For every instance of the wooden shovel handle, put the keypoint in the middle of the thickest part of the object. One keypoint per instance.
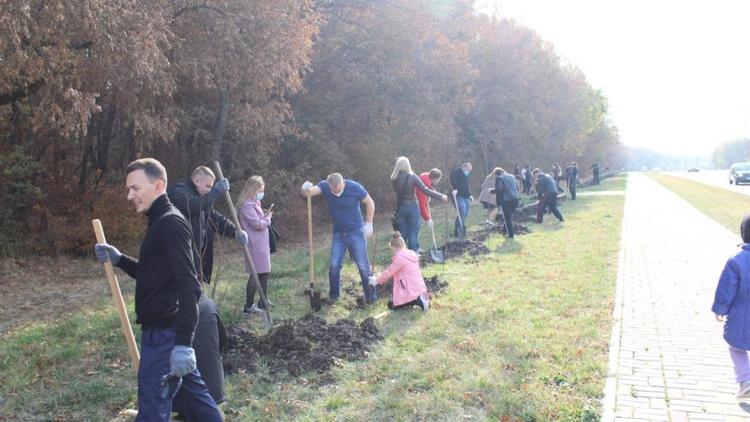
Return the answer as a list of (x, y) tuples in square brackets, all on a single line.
[(127, 330), (310, 242)]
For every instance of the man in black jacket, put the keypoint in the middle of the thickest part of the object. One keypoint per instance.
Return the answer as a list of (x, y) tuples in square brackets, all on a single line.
[(195, 199), (546, 189), (166, 296), (460, 182), (571, 174)]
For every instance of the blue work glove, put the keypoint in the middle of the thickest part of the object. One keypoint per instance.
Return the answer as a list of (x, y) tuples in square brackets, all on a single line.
[(221, 187), (241, 235), (182, 361), (105, 251)]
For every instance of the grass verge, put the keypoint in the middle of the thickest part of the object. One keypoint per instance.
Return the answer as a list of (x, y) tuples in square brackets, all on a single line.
[(521, 334), (722, 205)]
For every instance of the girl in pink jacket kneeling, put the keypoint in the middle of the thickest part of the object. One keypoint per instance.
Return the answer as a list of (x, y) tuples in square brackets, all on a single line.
[(408, 285)]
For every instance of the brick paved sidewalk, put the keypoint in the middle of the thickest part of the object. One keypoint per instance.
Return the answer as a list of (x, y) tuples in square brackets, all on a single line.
[(667, 358)]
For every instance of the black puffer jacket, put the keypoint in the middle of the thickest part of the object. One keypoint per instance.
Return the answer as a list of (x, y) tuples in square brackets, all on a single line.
[(204, 221)]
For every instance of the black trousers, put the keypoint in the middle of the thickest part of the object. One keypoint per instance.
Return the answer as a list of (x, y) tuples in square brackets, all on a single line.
[(508, 208), (414, 302), (572, 189), (251, 290), (548, 202)]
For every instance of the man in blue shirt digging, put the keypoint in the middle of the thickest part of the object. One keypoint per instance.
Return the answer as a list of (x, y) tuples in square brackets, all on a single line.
[(350, 230)]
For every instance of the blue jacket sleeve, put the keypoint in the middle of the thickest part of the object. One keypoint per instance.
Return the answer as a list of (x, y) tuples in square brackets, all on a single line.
[(727, 288)]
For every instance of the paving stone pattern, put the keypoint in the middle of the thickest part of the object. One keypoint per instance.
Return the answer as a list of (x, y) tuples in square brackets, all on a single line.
[(668, 361)]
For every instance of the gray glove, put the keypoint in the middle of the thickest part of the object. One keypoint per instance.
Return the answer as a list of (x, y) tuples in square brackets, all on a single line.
[(221, 187), (105, 251), (182, 361), (241, 235)]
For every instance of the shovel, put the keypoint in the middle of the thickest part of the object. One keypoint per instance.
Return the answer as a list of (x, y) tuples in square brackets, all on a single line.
[(436, 254), (246, 252), (315, 301), (461, 228)]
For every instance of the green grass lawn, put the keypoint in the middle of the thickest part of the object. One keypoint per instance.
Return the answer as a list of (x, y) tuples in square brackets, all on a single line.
[(520, 333), (616, 182), (722, 205)]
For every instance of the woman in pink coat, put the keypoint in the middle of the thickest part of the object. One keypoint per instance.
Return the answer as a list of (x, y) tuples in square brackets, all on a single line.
[(408, 285), (256, 222)]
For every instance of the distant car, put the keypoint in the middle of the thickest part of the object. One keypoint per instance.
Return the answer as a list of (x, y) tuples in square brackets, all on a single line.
[(693, 170), (739, 173)]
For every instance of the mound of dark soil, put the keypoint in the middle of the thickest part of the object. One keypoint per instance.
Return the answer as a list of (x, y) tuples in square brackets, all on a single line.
[(461, 246), (305, 345), (435, 286)]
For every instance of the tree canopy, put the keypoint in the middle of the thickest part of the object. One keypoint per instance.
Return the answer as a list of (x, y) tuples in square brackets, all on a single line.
[(288, 89)]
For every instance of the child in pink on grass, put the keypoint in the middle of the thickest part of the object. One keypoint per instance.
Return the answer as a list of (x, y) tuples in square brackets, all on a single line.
[(408, 285)]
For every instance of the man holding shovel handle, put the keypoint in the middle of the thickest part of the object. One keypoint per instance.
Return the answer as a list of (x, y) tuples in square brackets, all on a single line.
[(166, 300), (350, 230)]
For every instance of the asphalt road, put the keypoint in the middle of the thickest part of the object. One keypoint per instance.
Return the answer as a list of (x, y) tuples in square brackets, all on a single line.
[(718, 178)]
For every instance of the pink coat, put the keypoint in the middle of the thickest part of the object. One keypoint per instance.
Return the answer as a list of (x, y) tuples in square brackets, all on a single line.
[(408, 283), (256, 224)]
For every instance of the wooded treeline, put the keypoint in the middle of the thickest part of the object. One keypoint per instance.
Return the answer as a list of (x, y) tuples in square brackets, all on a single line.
[(288, 89)]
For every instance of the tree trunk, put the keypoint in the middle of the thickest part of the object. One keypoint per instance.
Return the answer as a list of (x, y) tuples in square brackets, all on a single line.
[(221, 121)]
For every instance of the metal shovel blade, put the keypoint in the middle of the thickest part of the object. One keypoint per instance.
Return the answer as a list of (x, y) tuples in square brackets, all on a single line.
[(436, 254), (315, 302)]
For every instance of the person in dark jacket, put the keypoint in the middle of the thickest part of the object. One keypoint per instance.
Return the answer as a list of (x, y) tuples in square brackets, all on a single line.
[(507, 197), (195, 199), (595, 172), (732, 307), (571, 175), (405, 183), (166, 299), (210, 341), (546, 190), (460, 181), (527, 179)]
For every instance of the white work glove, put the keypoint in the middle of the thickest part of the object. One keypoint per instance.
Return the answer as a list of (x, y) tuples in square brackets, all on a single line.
[(471, 198), (372, 280), (306, 186), (454, 192), (241, 236), (368, 229), (430, 223)]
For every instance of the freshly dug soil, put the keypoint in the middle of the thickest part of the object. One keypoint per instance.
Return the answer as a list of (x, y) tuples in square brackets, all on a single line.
[(435, 286), (459, 247), (308, 344)]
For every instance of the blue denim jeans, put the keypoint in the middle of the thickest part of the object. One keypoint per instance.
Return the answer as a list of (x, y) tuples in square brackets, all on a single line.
[(354, 241), (463, 211), (192, 400), (408, 224)]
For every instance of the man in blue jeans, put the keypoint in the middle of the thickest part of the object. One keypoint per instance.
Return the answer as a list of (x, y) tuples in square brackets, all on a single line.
[(166, 300), (350, 231), (459, 178)]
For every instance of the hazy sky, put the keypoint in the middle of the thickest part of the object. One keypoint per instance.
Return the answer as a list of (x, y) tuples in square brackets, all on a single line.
[(676, 73)]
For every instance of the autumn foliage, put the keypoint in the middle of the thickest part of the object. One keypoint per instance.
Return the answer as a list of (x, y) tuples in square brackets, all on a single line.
[(288, 89)]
